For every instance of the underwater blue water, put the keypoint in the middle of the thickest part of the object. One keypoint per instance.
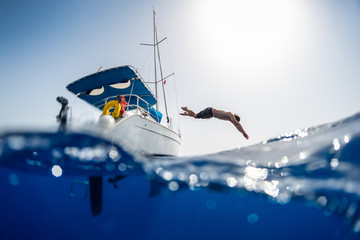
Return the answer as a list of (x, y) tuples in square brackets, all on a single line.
[(300, 185)]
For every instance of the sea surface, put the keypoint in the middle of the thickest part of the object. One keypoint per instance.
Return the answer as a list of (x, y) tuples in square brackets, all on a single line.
[(300, 185)]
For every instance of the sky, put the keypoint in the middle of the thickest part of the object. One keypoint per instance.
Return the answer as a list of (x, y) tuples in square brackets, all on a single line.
[(281, 65)]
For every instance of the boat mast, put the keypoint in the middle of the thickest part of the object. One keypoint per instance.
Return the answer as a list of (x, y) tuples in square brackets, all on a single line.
[(155, 39), (156, 46)]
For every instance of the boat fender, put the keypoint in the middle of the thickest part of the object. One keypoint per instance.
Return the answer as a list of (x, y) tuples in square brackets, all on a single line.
[(106, 122), (112, 104)]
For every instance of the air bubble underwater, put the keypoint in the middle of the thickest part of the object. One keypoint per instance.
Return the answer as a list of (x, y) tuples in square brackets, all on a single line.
[(14, 179), (56, 171)]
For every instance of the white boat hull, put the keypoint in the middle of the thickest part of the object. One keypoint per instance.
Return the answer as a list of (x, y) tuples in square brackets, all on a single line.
[(143, 135)]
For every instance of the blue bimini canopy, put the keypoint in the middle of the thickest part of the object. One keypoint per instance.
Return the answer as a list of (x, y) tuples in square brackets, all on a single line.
[(99, 88)]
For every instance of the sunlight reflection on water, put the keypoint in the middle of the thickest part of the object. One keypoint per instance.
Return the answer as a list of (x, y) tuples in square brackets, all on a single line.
[(318, 164), (307, 164)]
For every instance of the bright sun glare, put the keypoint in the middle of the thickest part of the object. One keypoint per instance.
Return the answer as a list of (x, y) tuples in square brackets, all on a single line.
[(251, 34)]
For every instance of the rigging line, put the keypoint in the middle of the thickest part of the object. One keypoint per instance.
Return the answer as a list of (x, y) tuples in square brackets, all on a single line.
[(138, 26), (132, 87), (162, 79), (142, 61), (71, 107), (140, 55), (158, 26), (161, 28), (161, 74), (177, 105), (140, 50), (74, 101), (171, 109), (176, 111), (155, 80), (175, 86), (168, 52), (136, 57)]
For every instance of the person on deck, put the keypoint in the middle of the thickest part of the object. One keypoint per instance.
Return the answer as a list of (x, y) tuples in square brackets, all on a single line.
[(219, 114)]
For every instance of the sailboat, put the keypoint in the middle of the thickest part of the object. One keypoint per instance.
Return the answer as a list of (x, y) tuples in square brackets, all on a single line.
[(130, 123), (130, 110)]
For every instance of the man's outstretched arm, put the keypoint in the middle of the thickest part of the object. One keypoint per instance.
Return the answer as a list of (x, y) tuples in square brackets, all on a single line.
[(239, 127)]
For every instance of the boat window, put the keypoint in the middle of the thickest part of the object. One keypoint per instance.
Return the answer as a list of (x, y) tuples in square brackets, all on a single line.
[(95, 92), (122, 85)]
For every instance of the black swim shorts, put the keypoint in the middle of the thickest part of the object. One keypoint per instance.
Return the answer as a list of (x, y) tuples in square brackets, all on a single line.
[(206, 113)]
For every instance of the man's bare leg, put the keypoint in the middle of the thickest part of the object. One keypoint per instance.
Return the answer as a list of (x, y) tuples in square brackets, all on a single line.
[(188, 112)]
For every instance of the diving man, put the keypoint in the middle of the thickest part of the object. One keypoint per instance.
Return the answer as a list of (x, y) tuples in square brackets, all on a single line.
[(219, 114)]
